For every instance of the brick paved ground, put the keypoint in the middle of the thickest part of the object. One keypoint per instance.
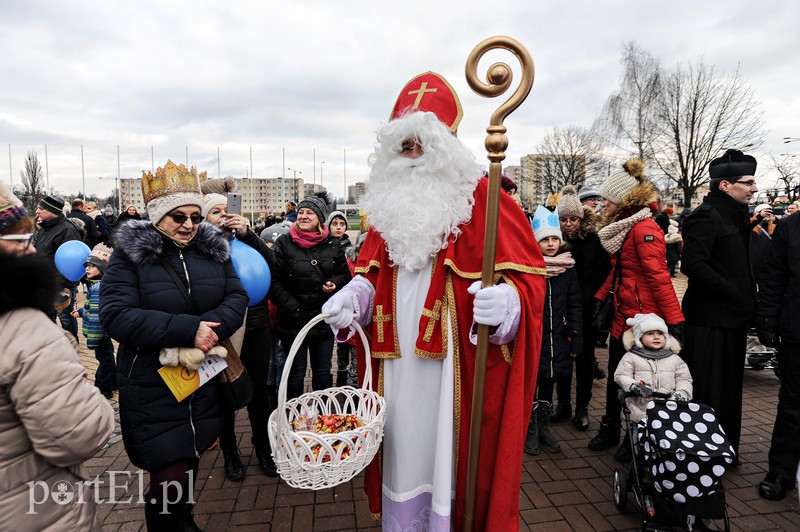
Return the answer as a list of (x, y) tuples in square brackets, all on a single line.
[(571, 490)]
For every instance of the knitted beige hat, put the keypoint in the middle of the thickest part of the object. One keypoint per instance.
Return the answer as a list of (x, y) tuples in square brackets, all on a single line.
[(212, 200), (569, 204), (620, 183)]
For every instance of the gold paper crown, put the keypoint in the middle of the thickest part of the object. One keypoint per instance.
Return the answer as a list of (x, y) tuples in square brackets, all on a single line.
[(171, 179)]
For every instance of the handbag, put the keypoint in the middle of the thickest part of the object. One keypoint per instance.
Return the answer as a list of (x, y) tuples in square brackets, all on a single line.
[(235, 385), (603, 313)]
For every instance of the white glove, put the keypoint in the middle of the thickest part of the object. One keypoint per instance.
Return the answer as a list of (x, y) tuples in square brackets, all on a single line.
[(218, 350), (168, 356), (490, 304), (188, 357), (341, 309)]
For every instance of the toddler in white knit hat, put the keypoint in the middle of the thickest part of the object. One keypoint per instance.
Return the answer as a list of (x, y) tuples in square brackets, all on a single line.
[(651, 364)]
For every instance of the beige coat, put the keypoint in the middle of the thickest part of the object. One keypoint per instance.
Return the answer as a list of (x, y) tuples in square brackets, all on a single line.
[(665, 375), (51, 421)]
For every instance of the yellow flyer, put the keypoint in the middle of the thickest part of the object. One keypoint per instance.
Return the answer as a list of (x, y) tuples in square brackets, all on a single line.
[(183, 382)]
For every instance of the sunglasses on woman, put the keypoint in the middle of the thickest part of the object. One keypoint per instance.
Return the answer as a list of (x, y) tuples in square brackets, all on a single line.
[(181, 218)]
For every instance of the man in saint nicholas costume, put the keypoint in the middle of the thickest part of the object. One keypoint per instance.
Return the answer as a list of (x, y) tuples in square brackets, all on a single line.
[(418, 292)]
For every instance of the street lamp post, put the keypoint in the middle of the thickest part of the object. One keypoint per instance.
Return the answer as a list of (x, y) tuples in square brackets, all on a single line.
[(320, 173), (296, 198)]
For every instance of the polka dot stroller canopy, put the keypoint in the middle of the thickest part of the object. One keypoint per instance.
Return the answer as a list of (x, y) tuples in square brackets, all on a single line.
[(685, 450)]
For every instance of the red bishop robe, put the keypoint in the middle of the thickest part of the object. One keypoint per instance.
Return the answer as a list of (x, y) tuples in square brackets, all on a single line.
[(511, 368)]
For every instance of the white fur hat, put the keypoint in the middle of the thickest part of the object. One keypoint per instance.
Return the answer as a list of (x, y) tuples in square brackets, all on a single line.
[(642, 323)]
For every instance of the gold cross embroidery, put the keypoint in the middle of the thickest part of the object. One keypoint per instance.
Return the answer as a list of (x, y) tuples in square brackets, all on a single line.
[(379, 318), (420, 93), (433, 317)]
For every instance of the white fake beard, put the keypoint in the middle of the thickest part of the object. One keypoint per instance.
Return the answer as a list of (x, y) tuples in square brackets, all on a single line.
[(418, 204)]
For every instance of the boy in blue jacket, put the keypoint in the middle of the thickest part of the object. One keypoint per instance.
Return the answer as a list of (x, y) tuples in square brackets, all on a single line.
[(96, 264)]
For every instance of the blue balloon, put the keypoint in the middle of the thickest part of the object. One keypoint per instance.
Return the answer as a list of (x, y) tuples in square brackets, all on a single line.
[(70, 257), (252, 269)]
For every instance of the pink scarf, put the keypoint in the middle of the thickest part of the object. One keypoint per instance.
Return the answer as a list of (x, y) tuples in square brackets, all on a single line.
[(305, 239), (559, 264)]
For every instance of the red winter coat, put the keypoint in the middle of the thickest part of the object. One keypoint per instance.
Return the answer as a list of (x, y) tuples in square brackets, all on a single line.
[(646, 285)]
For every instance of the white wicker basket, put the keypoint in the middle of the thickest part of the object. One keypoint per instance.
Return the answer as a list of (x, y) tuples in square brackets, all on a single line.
[(293, 450)]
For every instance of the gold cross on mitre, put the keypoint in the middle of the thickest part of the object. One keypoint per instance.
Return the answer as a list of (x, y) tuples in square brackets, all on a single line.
[(441, 99), (420, 93), (379, 318), (433, 316)]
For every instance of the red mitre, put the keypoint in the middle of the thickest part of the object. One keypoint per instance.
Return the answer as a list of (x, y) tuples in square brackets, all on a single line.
[(430, 92)]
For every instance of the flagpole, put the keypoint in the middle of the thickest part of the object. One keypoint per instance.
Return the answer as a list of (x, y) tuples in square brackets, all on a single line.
[(83, 175), (499, 79)]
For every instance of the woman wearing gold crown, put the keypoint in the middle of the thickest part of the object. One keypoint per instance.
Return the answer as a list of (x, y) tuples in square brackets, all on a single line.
[(147, 312)]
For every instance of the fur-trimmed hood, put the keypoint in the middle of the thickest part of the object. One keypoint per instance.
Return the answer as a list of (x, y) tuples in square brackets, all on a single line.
[(142, 243), (29, 281), (628, 342)]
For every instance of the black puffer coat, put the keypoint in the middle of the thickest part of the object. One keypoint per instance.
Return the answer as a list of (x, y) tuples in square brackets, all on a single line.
[(297, 285), (592, 262), (562, 327), (143, 309)]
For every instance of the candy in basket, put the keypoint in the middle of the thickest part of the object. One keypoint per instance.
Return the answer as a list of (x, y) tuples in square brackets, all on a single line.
[(326, 437)]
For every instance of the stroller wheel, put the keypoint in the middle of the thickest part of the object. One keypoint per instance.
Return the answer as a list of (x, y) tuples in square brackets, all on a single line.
[(620, 489)]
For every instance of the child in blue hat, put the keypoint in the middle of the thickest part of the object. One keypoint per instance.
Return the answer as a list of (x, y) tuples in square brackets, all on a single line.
[(561, 331)]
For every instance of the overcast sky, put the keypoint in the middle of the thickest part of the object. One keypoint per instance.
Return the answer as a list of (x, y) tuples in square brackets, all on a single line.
[(321, 76)]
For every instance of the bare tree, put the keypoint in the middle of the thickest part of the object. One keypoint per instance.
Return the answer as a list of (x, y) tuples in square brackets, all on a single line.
[(33, 187), (788, 169), (702, 113), (629, 116), (566, 156)]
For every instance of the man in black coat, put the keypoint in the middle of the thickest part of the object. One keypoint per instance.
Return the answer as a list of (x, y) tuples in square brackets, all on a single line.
[(54, 230), (78, 211), (778, 324), (720, 300)]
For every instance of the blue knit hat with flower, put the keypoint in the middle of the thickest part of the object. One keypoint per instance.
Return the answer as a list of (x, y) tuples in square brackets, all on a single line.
[(545, 223)]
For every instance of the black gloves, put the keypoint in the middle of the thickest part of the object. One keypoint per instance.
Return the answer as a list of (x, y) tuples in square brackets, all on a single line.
[(767, 331), (676, 331), (768, 336)]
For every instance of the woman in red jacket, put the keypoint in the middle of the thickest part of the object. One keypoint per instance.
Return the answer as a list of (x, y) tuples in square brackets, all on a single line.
[(636, 242)]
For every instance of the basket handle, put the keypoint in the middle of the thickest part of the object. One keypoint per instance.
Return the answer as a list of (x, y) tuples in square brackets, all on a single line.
[(287, 366)]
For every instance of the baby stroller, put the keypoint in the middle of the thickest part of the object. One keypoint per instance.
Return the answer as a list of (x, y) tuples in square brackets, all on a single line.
[(680, 454)]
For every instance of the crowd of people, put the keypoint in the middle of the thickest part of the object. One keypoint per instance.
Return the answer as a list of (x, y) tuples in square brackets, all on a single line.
[(162, 286)]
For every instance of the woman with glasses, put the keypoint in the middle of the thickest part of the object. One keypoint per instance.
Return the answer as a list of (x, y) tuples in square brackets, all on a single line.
[(53, 418), (156, 269)]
